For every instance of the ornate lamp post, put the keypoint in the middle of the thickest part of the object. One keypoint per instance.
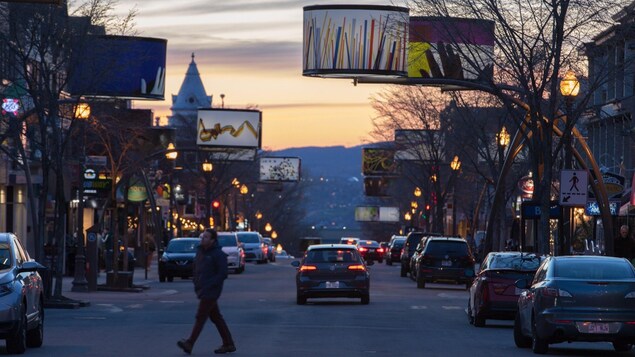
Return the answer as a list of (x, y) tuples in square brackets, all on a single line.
[(171, 154), (502, 141), (81, 112), (258, 218), (455, 165), (207, 169), (244, 190), (569, 88), (268, 227)]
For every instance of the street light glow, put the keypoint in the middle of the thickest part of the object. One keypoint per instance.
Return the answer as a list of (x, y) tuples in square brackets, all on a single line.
[(503, 138), (455, 164), (569, 85), (207, 166), (171, 153), (417, 192)]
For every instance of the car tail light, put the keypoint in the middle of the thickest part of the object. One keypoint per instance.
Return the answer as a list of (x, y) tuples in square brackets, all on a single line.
[(362, 249), (308, 268), (359, 267), (380, 250), (630, 322), (554, 292)]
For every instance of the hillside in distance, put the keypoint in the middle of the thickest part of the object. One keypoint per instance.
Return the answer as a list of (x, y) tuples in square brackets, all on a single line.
[(331, 161)]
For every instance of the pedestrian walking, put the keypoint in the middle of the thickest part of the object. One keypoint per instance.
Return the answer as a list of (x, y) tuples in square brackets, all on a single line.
[(107, 244), (624, 244), (210, 271)]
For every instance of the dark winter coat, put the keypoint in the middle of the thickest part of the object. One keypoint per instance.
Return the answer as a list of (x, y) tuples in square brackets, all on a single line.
[(210, 271)]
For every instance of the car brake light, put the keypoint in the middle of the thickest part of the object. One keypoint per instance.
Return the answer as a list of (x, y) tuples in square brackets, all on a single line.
[(362, 249), (308, 268), (554, 292), (357, 267), (380, 250)]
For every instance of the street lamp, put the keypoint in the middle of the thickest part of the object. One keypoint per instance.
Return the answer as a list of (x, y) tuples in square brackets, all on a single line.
[(274, 235), (258, 218), (171, 154), (244, 190), (207, 169), (455, 165), (502, 141), (569, 88), (417, 192), (81, 112), (268, 227)]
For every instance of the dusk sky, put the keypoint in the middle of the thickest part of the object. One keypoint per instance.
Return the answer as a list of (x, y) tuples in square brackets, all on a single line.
[(251, 51)]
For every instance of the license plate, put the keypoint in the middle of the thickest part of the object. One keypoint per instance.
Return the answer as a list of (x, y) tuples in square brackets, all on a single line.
[(332, 284), (446, 263), (598, 327)]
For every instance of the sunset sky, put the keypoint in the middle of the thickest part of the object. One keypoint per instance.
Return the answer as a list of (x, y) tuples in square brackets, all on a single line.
[(251, 51)]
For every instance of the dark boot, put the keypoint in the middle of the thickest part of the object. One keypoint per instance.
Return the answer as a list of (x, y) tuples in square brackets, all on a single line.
[(186, 346), (225, 349)]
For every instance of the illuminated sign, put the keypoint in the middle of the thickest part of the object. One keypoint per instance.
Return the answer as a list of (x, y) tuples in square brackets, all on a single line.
[(229, 128)]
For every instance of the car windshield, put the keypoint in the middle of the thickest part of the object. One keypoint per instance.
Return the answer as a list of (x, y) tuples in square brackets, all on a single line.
[(449, 248), (248, 238), (515, 262), (368, 243), (332, 256), (5, 257), (593, 269), (225, 240), (182, 246)]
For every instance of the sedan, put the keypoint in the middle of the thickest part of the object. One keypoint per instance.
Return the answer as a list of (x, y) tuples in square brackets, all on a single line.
[(21, 297), (332, 270), (370, 250), (178, 259), (235, 254), (493, 294), (577, 298), (393, 254)]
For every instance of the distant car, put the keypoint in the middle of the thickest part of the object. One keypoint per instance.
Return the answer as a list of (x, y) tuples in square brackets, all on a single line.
[(493, 294), (445, 259), (283, 255), (394, 249), (254, 246), (271, 249), (370, 250), (577, 298), (21, 298), (178, 259), (349, 240), (235, 254), (412, 239), (332, 270)]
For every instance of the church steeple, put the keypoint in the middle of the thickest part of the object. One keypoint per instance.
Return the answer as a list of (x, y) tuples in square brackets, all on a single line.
[(191, 96)]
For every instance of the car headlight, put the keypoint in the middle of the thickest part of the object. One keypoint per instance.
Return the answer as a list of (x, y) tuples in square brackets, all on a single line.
[(6, 289)]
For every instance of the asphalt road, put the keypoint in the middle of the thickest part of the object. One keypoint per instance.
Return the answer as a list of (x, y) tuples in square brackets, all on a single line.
[(259, 306)]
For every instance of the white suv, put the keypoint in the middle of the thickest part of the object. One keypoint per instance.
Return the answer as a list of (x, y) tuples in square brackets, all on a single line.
[(254, 246), (235, 254)]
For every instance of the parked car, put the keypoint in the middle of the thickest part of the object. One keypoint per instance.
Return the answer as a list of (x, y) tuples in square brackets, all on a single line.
[(394, 249), (493, 294), (370, 250), (178, 259), (254, 246), (445, 259), (412, 239), (332, 270), (271, 249), (22, 297), (235, 254), (577, 298), (415, 257)]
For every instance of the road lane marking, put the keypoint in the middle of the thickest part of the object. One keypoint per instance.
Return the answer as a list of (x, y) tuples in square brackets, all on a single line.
[(420, 307)]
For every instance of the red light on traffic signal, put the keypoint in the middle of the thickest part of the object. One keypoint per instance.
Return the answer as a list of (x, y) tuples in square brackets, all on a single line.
[(215, 204)]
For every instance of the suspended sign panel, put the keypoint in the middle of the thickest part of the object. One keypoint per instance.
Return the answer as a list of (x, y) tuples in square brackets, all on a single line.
[(355, 40), (378, 161), (453, 48), (120, 66), (229, 128), (376, 214), (279, 169)]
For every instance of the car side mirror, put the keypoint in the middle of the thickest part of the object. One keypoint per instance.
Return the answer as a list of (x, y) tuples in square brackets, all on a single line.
[(31, 266), (295, 263), (522, 284)]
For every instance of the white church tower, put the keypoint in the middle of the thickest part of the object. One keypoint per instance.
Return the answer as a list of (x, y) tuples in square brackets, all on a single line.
[(190, 98)]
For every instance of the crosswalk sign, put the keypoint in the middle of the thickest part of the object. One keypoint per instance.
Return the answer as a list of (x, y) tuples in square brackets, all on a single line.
[(573, 187)]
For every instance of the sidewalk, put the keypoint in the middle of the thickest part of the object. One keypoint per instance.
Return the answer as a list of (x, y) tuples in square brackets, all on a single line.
[(74, 300)]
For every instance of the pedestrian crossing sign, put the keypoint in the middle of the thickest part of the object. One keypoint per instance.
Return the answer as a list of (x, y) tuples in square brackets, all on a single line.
[(573, 187)]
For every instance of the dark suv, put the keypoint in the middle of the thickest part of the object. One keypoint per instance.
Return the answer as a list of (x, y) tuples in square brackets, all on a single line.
[(412, 239), (445, 259)]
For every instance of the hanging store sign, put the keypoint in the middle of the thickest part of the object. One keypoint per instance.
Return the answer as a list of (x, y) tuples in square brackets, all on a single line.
[(279, 169), (229, 128), (347, 41), (127, 67), (378, 161)]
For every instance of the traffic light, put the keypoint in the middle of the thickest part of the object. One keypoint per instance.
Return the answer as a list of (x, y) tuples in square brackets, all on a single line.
[(215, 218), (215, 206)]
